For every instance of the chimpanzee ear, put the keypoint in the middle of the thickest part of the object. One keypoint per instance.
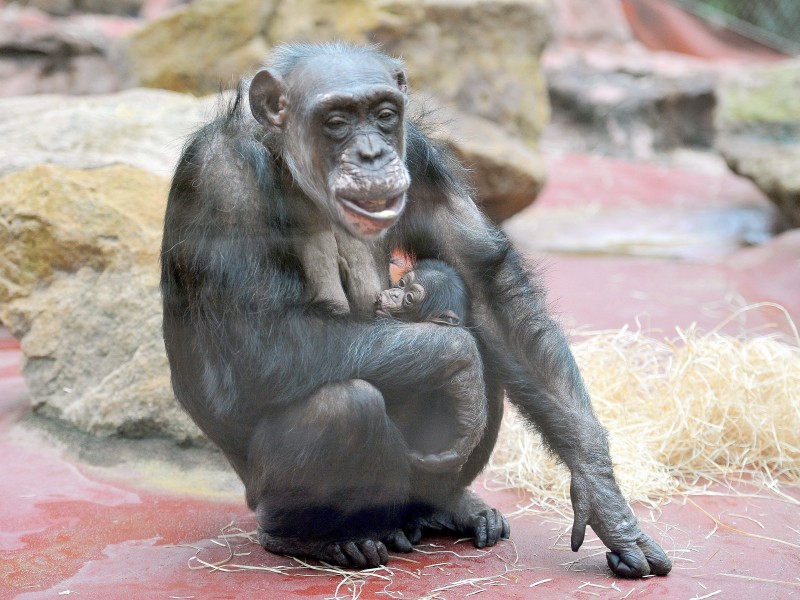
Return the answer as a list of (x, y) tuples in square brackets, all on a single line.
[(447, 318), (268, 101), (400, 78)]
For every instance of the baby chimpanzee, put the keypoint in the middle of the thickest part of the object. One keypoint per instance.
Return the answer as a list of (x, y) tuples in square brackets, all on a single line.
[(433, 292)]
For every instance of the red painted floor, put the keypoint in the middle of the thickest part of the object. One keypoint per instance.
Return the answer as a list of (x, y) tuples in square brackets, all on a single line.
[(70, 529)]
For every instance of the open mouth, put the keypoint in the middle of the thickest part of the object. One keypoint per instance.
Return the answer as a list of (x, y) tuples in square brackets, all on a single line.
[(377, 213)]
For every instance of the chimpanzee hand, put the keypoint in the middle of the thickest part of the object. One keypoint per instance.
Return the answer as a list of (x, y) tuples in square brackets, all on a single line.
[(597, 501)]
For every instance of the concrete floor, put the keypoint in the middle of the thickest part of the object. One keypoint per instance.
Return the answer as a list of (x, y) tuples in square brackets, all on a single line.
[(622, 244)]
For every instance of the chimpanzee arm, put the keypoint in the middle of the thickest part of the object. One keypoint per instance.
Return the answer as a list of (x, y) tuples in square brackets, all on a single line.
[(543, 380)]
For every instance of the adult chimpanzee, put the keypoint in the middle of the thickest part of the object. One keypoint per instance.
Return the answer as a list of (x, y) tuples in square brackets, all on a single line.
[(433, 292), (278, 233)]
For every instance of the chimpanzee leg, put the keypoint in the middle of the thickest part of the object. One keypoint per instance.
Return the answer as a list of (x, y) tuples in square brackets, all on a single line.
[(438, 504), (331, 475)]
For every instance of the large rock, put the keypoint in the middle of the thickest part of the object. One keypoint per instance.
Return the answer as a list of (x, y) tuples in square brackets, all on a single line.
[(758, 125), (482, 56), (633, 110), (589, 21), (79, 288), (506, 174), (141, 128), (63, 8), (198, 48), (43, 54)]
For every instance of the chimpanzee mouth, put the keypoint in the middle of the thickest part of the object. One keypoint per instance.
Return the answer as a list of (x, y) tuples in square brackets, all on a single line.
[(377, 213)]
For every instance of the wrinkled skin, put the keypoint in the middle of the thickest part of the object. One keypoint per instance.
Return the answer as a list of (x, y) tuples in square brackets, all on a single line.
[(281, 221)]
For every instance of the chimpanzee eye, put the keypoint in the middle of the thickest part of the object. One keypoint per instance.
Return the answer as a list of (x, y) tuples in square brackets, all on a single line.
[(387, 118), (409, 299), (401, 283), (336, 125)]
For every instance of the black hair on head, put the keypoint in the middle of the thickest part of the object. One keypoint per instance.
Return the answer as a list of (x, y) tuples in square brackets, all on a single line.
[(444, 290)]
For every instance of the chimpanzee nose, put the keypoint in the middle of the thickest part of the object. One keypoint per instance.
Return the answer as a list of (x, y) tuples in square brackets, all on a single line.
[(370, 148)]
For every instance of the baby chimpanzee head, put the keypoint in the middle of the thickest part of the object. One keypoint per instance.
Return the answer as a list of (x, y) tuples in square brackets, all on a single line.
[(433, 292)]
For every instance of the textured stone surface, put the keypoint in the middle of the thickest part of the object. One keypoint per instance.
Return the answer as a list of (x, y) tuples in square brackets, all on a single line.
[(482, 56), (623, 112), (141, 128), (43, 54), (758, 126), (198, 48), (506, 174), (79, 288)]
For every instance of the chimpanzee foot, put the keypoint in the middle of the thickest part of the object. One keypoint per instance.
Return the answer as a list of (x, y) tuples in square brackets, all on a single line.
[(488, 527), (466, 515), (398, 541), (355, 553)]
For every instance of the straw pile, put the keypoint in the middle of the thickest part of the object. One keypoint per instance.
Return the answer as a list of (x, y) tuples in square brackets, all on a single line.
[(680, 415)]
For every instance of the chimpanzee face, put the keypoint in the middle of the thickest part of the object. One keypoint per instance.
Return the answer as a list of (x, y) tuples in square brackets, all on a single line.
[(343, 135)]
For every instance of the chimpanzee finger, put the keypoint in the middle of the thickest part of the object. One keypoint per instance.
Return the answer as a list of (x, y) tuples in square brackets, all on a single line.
[(578, 529), (628, 563), (337, 557), (372, 553), (492, 532), (480, 531), (659, 562), (506, 533), (383, 553), (413, 533), (354, 554), (398, 541)]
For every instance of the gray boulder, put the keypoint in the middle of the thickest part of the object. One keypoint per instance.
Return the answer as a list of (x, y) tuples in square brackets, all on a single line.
[(505, 173), (79, 288), (44, 54), (140, 128), (758, 132), (631, 110)]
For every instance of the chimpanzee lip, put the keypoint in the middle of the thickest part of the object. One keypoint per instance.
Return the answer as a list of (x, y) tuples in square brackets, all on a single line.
[(391, 210)]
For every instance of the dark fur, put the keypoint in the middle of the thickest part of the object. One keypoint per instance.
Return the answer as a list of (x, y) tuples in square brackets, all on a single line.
[(312, 408)]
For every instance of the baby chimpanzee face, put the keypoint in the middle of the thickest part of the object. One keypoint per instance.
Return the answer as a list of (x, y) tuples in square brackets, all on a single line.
[(404, 300)]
